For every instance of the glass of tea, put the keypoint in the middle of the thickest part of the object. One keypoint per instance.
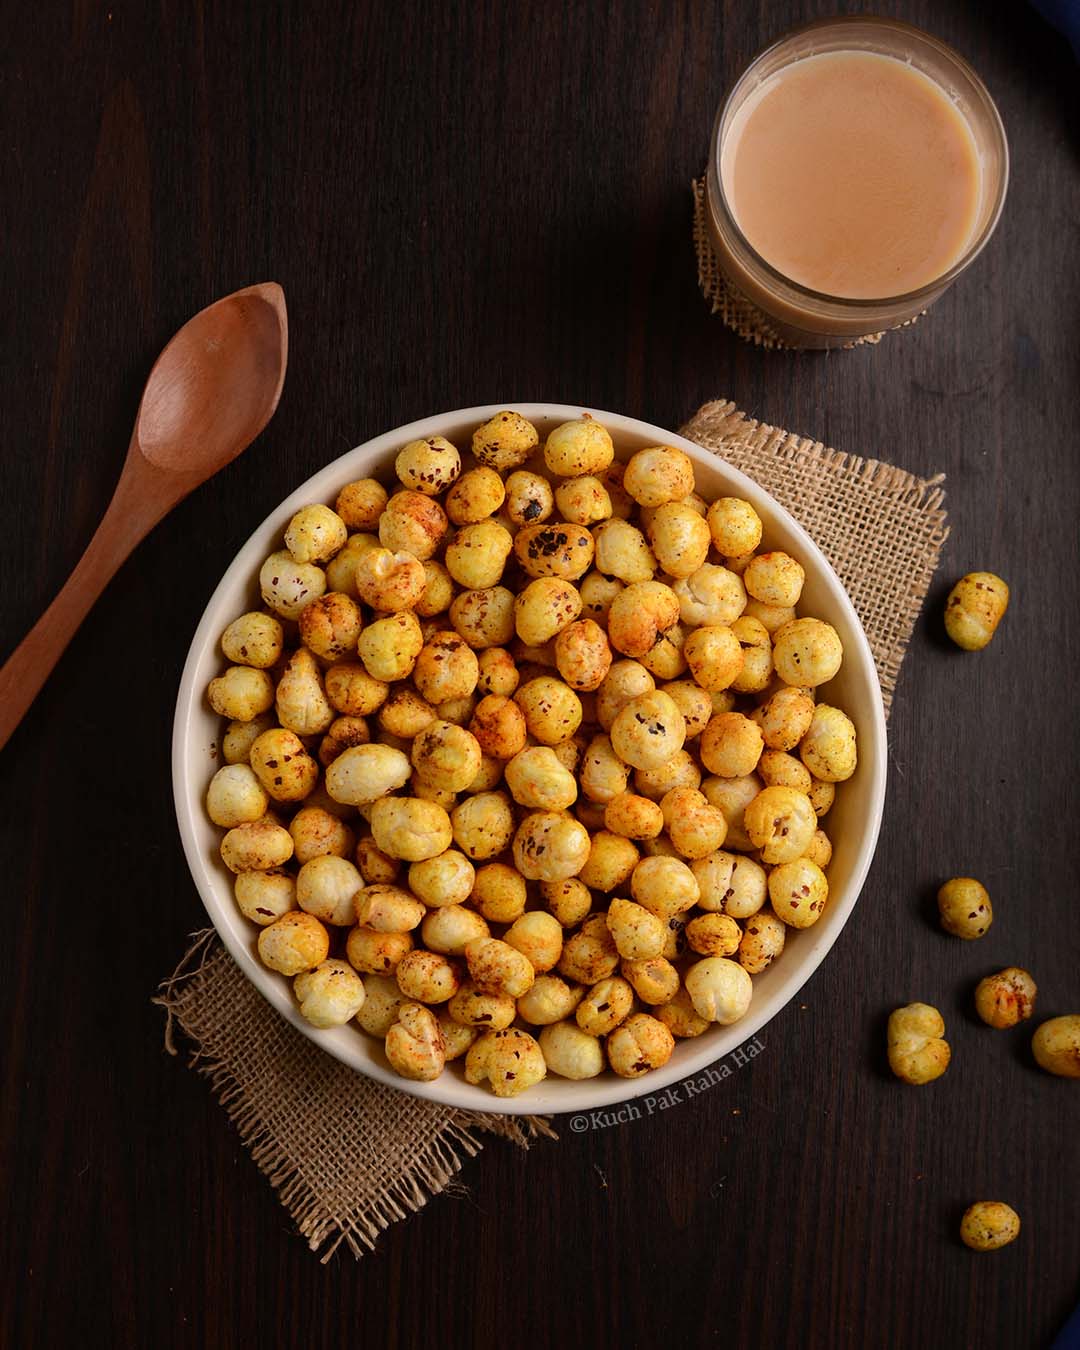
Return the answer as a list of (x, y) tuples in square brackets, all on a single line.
[(856, 169)]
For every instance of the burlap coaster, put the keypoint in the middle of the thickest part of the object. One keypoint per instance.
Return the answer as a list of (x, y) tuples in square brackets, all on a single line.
[(346, 1155), (738, 313)]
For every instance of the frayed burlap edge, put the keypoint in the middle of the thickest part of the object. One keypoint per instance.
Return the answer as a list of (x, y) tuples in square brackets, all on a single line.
[(330, 1203), (887, 561), (742, 317)]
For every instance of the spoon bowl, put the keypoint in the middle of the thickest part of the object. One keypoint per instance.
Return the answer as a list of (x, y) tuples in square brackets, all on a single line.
[(217, 383), (209, 394)]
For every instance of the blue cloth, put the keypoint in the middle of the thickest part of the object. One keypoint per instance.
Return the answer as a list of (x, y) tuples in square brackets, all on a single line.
[(1065, 17), (1069, 1335)]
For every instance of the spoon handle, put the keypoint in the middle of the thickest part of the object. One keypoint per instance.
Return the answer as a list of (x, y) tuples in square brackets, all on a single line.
[(124, 524)]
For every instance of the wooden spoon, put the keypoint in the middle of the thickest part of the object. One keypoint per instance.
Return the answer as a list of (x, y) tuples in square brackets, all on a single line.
[(210, 393)]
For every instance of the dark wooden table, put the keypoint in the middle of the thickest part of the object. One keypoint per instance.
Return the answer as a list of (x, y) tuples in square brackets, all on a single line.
[(489, 202)]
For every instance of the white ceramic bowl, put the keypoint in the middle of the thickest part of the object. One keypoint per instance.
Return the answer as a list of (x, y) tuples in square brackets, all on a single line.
[(853, 822)]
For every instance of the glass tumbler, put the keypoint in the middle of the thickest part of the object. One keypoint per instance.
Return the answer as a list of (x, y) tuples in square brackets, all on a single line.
[(802, 317)]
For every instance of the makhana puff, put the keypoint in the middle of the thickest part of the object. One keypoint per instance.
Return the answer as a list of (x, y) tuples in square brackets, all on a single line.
[(532, 737), (918, 1051)]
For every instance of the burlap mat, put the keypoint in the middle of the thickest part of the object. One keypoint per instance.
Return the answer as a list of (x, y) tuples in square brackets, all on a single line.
[(346, 1155), (742, 317)]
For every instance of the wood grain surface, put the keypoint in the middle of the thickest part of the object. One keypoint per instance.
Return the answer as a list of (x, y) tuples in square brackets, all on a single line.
[(470, 203)]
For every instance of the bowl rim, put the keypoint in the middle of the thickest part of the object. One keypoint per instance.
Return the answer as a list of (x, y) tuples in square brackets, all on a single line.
[(607, 1090)]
